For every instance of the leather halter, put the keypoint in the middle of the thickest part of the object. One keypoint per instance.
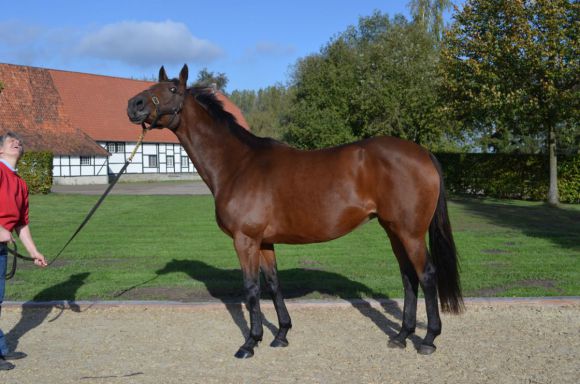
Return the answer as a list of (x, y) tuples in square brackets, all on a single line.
[(158, 112)]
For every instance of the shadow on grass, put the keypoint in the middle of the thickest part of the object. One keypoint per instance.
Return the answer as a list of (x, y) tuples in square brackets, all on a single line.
[(295, 283), (559, 225), (33, 315)]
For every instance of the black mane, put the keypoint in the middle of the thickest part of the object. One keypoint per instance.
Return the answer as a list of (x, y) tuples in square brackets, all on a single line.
[(207, 98)]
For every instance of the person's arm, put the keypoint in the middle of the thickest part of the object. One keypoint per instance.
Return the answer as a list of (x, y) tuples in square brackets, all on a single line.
[(26, 238)]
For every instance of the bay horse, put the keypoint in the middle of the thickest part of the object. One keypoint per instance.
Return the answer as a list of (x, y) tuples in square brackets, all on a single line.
[(268, 193)]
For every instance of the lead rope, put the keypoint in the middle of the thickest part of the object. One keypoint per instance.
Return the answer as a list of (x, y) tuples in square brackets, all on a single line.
[(16, 255), (14, 251), (96, 206)]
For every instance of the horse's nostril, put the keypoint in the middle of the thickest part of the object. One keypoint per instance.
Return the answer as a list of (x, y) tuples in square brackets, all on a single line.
[(137, 104)]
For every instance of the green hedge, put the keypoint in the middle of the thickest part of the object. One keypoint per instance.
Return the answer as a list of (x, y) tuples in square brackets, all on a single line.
[(36, 169), (509, 175)]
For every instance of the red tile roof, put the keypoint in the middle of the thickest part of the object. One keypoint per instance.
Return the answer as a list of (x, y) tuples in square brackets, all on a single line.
[(98, 105), (62, 111), (31, 107)]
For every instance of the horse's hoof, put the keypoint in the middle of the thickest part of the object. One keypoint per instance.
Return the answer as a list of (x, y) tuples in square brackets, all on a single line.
[(395, 343), (426, 349), (279, 343), (243, 353)]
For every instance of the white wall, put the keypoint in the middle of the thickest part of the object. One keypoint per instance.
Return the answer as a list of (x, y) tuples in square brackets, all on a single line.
[(152, 159)]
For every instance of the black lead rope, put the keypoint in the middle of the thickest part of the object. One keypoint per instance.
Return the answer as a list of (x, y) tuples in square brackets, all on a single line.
[(17, 256), (102, 198), (92, 211), (14, 251)]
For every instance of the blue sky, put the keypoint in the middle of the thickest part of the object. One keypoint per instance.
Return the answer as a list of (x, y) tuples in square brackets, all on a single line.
[(254, 42)]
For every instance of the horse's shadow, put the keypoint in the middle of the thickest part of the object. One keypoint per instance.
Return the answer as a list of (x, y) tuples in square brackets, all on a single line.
[(35, 312), (218, 284)]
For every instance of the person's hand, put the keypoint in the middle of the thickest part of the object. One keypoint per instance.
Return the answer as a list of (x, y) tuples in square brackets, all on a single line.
[(39, 259), (5, 235)]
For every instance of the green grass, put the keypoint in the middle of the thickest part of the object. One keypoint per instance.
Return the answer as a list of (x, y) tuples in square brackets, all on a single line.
[(169, 247)]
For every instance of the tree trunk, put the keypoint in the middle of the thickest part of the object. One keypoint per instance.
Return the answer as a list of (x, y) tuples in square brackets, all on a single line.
[(553, 196)]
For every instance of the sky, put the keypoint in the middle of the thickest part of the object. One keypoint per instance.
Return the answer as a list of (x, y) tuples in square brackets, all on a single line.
[(254, 42)]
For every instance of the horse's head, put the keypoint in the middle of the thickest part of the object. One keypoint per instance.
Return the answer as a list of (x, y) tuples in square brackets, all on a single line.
[(161, 104)]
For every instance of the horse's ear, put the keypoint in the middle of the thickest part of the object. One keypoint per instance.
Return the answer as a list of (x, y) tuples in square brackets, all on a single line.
[(162, 74), (183, 76)]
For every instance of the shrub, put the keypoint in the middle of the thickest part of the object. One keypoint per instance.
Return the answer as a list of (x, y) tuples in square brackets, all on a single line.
[(36, 169), (509, 175)]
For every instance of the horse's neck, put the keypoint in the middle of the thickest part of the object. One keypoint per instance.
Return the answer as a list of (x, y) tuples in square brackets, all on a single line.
[(214, 150)]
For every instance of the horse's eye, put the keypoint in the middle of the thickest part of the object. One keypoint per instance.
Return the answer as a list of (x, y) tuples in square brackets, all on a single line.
[(173, 89)]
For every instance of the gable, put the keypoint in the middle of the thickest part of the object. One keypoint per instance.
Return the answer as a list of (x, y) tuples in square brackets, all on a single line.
[(30, 106)]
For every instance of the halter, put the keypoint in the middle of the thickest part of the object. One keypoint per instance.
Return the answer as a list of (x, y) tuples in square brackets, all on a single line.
[(159, 112)]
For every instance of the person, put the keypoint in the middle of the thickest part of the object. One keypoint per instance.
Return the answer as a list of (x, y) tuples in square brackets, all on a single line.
[(13, 217)]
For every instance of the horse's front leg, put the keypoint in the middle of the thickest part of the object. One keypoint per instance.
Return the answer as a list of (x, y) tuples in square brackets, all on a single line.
[(248, 251), (270, 271)]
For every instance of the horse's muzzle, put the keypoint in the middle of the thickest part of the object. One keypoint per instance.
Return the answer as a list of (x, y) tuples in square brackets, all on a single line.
[(137, 110)]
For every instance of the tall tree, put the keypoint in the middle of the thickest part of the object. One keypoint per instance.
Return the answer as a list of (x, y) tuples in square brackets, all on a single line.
[(378, 77), (510, 67), (429, 14), (207, 78), (264, 109)]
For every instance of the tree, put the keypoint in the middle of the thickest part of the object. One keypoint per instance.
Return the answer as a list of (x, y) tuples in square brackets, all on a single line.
[(378, 78), (264, 109), (429, 14), (206, 78), (1, 86), (510, 69)]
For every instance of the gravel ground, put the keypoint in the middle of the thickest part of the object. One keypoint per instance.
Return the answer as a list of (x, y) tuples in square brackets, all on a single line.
[(495, 341)]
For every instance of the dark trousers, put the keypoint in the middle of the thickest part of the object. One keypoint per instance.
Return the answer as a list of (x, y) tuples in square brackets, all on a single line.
[(3, 266)]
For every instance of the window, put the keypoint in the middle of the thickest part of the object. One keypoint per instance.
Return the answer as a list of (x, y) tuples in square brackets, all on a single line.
[(170, 161), (116, 147), (152, 161), (85, 160), (184, 162)]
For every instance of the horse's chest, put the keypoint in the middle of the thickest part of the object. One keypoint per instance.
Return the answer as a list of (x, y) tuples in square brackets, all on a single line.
[(238, 216)]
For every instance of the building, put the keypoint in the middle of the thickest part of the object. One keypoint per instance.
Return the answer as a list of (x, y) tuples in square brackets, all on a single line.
[(82, 119)]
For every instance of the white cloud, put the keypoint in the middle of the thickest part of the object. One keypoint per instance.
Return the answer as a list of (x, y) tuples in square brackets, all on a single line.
[(29, 44), (15, 32), (265, 50), (148, 43), (274, 49), (268, 48)]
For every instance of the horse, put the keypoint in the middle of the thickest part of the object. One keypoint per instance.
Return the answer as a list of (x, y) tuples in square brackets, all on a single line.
[(268, 193)]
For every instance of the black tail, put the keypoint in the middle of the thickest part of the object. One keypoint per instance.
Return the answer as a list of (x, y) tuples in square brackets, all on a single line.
[(444, 254)]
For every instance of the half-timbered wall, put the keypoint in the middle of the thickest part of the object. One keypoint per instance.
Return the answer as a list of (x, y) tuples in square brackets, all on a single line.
[(152, 159)]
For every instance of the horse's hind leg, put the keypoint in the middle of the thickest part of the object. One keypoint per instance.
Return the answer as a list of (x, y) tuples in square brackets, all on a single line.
[(270, 271), (410, 285), (429, 285), (418, 257)]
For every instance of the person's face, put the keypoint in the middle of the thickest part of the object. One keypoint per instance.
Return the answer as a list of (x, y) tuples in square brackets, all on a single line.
[(11, 147)]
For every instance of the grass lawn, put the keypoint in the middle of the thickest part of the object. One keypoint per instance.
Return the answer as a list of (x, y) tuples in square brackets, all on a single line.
[(169, 247)]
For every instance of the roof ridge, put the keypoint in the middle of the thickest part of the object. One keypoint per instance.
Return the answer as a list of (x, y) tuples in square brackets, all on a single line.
[(77, 72)]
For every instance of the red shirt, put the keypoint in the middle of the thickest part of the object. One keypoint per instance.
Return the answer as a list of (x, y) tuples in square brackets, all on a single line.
[(13, 199)]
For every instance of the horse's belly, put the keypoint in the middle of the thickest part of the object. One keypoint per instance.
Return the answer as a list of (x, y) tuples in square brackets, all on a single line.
[(310, 229)]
